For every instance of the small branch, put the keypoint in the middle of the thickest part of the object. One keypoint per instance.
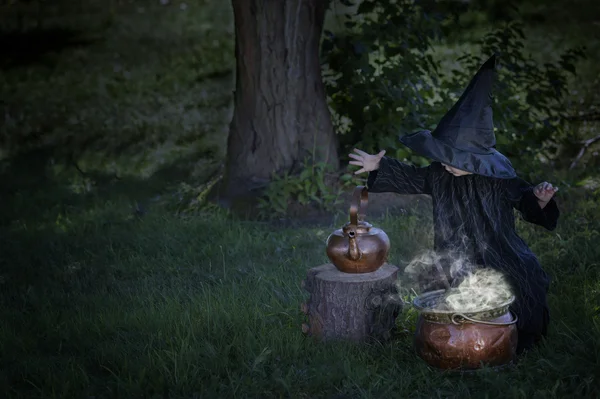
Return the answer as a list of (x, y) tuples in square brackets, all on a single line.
[(586, 144), (78, 168)]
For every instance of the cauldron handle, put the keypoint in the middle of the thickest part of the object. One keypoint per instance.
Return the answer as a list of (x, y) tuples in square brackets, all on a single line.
[(491, 323), (358, 207)]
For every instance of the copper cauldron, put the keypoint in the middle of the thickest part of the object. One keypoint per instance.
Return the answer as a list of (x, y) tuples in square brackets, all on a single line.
[(447, 339), (358, 247)]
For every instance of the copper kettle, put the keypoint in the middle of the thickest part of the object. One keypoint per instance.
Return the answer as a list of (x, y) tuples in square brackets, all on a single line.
[(358, 247)]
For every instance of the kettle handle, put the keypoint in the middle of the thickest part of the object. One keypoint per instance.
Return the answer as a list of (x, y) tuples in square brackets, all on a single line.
[(358, 207)]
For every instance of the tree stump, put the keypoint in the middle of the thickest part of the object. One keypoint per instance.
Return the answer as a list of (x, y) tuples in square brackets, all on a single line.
[(348, 306)]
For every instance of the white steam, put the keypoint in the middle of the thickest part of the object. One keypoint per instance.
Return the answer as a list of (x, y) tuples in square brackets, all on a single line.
[(467, 286), (482, 289), (436, 270)]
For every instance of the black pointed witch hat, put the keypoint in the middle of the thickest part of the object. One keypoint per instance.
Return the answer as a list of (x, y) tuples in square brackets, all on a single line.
[(465, 138)]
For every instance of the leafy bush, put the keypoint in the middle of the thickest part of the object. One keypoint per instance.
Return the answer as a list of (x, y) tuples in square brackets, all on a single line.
[(381, 76), (384, 80), (318, 185), (529, 111)]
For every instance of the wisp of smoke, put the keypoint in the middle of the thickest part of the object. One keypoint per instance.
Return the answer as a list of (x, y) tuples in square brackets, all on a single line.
[(468, 287), (435, 270), (482, 289)]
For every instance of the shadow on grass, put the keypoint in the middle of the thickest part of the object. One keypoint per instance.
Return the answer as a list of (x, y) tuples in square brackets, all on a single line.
[(40, 185), (34, 46)]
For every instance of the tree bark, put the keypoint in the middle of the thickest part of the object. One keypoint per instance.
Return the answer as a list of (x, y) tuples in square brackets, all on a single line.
[(354, 307), (281, 114)]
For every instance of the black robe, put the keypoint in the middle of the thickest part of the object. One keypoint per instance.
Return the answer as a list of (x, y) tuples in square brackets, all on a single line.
[(474, 215)]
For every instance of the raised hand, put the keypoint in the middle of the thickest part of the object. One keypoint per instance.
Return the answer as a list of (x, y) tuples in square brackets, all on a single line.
[(544, 192), (367, 162)]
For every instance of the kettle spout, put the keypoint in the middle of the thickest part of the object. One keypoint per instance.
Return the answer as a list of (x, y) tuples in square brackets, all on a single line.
[(353, 251)]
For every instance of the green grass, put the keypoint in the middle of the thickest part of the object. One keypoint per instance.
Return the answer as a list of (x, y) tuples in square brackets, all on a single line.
[(208, 306), (105, 292), (148, 86)]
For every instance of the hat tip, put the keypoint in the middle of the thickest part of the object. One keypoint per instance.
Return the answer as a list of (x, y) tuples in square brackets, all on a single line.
[(491, 62)]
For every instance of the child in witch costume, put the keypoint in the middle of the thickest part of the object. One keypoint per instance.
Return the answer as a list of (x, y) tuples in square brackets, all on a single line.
[(474, 189)]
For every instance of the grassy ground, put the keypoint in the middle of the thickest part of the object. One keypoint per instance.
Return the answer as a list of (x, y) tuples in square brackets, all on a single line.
[(127, 89), (105, 293), (208, 307)]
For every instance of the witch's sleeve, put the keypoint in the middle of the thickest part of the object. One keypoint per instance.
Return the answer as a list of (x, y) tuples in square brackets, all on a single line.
[(520, 193), (397, 177)]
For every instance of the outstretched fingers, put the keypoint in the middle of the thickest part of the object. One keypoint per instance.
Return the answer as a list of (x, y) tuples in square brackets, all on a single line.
[(545, 191), (548, 187), (361, 152)]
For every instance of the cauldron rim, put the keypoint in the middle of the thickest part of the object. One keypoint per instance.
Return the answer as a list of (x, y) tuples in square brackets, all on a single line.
[(501, 307)]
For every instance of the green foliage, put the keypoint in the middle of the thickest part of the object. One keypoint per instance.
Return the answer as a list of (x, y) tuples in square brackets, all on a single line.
[(380, 75), (384, 79), (529, 100), (316, 185)]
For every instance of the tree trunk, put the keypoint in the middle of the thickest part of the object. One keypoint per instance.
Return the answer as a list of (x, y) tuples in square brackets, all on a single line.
[(280, 113), (348, 306)]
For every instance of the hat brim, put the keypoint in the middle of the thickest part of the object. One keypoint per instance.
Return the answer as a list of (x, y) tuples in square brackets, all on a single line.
[(492, 164)]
